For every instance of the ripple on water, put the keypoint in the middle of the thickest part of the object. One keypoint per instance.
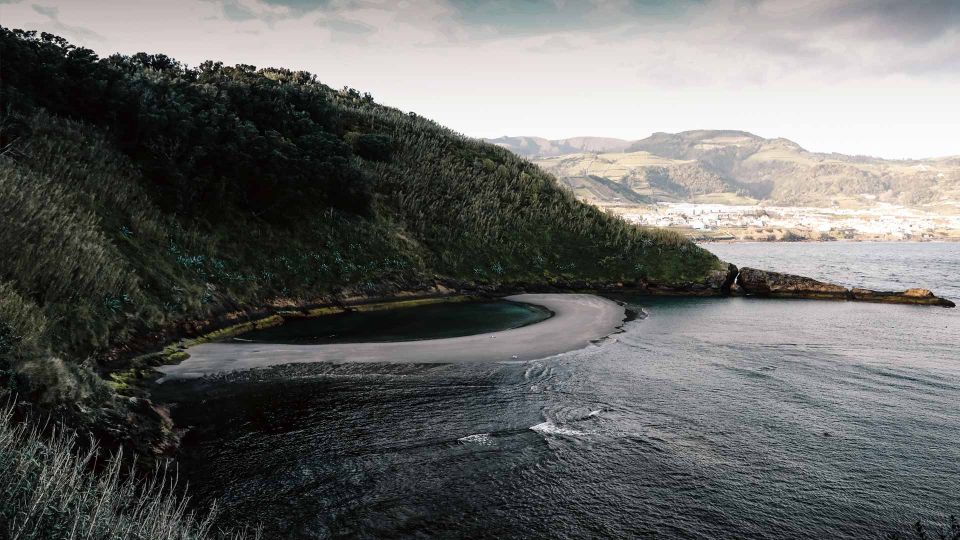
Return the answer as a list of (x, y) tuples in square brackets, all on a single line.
[(478, 439)]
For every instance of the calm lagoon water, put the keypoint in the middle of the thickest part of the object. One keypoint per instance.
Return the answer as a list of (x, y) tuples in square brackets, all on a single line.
[(729, 418), (430, 321)]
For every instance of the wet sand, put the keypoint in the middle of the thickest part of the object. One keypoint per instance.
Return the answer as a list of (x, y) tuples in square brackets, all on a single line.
[(578, 319)]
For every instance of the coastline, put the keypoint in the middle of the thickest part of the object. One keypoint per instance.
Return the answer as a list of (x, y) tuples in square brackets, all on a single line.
[(136, 370), (578, 320), (707, 240)]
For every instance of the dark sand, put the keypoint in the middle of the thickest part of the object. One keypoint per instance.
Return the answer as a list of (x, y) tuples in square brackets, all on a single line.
[(578, 319)]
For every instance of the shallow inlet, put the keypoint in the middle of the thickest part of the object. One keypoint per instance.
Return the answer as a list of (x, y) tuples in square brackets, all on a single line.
[(431, 321), (577, 320)]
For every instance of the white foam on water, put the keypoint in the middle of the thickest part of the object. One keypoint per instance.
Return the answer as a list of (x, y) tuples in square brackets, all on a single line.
[(481, 439), (549, 428)]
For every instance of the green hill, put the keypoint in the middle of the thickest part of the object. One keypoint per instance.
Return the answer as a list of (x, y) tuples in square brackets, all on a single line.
[(138, 195)]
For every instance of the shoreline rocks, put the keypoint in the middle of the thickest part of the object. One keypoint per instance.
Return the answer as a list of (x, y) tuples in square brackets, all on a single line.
[(909, 296), (763, 283)]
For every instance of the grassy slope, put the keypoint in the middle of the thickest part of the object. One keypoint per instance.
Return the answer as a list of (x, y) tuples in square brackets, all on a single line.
[(93, 258)]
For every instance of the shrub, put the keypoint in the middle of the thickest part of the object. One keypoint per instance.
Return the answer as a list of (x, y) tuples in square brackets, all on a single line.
[(49, 491), (371, 146), (22, 324)]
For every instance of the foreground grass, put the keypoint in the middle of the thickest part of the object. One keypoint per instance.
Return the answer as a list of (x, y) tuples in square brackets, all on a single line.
[(48, 490)]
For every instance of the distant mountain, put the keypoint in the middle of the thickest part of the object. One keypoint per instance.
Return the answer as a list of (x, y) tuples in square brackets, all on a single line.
[(737, 167), (540, 147)]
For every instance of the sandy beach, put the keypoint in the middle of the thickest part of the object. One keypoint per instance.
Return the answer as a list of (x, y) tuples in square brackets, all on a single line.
[(578, 319)]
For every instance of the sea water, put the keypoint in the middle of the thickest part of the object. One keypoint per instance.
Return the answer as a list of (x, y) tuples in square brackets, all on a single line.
[(716, 417)]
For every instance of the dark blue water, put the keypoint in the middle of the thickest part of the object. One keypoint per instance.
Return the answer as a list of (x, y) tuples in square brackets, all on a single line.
[(729, 418), (429, 321)]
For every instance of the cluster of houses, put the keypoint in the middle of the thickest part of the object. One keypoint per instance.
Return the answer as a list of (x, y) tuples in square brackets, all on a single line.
[(881, 220)]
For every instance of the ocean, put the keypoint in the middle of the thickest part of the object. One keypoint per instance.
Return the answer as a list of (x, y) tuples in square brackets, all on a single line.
[(708, 418)]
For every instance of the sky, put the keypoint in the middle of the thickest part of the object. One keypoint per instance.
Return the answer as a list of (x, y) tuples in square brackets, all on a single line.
[(871, 77)]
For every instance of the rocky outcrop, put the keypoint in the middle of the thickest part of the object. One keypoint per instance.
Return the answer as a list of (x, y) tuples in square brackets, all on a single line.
[(763, 283), (909, 296), (753, 282), (716, 283)]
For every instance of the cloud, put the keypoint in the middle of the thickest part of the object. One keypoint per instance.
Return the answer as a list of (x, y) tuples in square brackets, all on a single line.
[(235, 11), (836, 38), (894, 20), (347, 30), (552, 45), (78, 33), (299, 6), (346, 26), (861, 76), (538, 17), (259, 10)]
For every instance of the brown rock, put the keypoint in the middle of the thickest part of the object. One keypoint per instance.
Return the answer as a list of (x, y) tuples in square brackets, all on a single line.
[(924, 293), (922, 297), (753, 282), (775, 284)]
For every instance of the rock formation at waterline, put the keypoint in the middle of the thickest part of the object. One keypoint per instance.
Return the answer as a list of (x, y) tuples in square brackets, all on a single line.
[(753, 282)]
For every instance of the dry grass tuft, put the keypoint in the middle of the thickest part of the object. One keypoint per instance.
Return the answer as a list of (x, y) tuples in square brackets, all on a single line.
[(48, 491)]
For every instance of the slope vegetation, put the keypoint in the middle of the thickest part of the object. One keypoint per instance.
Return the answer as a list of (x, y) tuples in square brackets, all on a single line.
[(137, 195)]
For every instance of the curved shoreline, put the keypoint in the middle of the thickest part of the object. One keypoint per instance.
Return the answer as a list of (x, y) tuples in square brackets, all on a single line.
[(577, 320)]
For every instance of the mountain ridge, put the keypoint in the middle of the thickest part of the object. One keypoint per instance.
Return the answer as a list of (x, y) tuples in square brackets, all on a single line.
[(739, 167), (524, 144)]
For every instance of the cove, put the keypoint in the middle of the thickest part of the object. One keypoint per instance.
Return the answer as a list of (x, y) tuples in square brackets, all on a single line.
[(430, 321), (578, 320)]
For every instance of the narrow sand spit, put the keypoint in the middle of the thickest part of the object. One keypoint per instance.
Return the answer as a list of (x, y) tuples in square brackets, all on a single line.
[(578, 319)]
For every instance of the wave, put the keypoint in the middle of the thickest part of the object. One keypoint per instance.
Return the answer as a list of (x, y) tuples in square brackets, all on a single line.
[(549, 428), (481, 439)]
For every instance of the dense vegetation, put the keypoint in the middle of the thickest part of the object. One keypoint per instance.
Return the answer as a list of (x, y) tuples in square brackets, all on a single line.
[(137, 193), (48, 491)]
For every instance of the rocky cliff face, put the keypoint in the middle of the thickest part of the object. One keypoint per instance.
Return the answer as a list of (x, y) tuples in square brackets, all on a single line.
[(753, 282)]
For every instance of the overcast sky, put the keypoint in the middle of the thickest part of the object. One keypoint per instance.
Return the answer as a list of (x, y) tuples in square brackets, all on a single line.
[(875, 77)]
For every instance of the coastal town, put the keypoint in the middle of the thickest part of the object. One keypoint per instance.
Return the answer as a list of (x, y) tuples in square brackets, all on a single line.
[(718, 222)]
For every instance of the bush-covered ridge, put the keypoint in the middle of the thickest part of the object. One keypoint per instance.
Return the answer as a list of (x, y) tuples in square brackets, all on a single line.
[(137, 194)]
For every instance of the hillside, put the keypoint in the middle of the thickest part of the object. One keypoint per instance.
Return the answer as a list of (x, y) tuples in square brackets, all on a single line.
[(139, 196), (736, 167)]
